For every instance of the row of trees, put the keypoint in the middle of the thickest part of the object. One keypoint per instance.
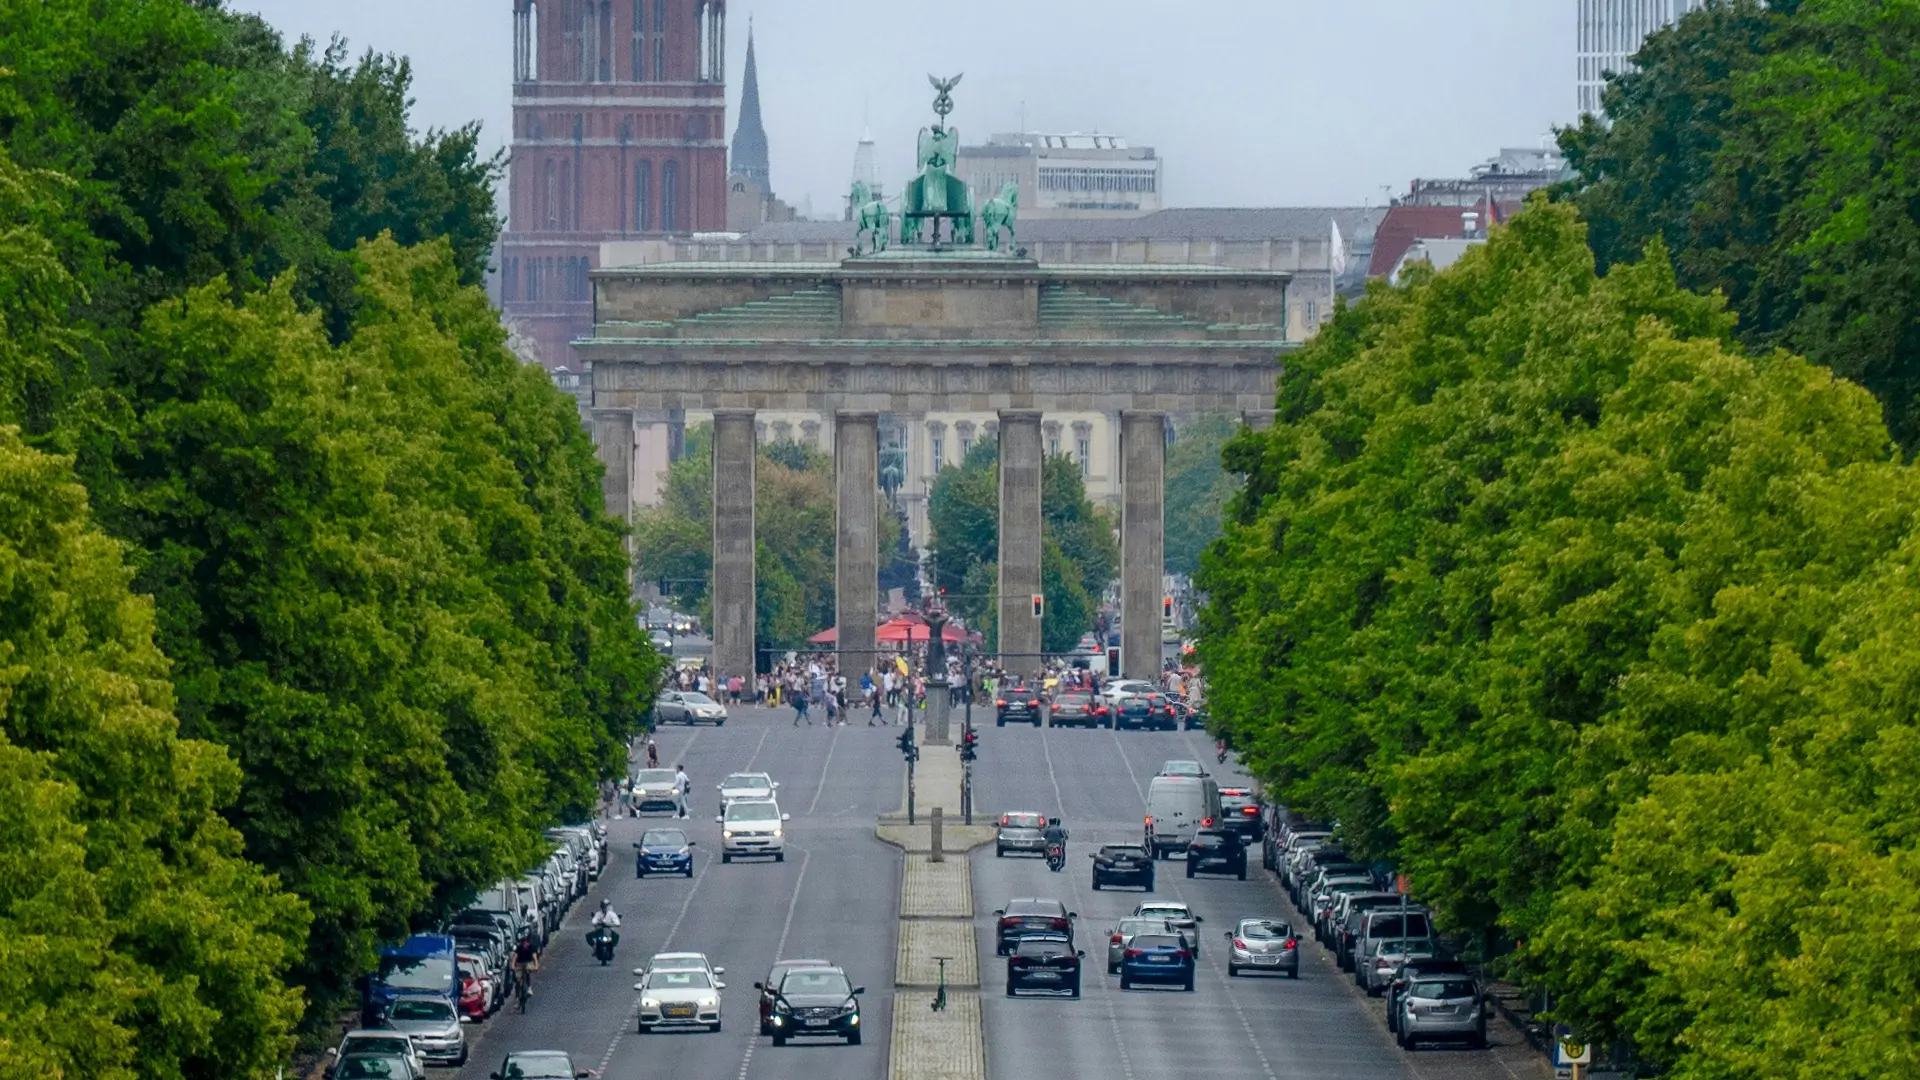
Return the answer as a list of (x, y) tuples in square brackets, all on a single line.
[(310, 614), (1078, 555), (1602, 628)]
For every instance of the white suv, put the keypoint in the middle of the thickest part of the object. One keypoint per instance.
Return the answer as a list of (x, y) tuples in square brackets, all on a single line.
[(752, 827)]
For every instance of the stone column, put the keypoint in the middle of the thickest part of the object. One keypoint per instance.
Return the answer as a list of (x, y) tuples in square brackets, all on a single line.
[(1259, 419), (1143, 470), (734, 603), (1021, 454), (856, 546), (613, 439)]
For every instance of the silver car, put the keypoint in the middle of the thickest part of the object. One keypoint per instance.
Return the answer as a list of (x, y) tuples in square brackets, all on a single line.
[(1177, 913), (1386, 957), (433, 1024), (655, 789), (1263, 945), (1442, 1008), (679, 998), (378, 1041), (1121, 936), (746, 785), (688, 707)]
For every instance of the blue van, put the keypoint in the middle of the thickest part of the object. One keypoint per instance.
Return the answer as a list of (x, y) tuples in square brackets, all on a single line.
[(423, 963)]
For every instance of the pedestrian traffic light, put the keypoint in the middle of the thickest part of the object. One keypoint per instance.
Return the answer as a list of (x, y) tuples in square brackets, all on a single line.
[(1166, 609), (1039, 605), (1113, 662), (969, 745), (906, 743)]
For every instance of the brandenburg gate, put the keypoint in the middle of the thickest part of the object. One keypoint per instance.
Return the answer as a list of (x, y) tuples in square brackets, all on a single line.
[(945, 321)]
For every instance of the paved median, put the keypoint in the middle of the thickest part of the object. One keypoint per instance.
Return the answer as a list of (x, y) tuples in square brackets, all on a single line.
[(936, 920)]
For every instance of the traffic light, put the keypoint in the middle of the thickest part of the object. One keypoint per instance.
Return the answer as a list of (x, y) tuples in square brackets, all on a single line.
[(1039, 605), (1166, 609), (1113, 662), (907, 749), (969, 745)]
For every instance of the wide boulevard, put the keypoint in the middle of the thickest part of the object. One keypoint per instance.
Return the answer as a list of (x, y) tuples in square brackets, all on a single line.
[(836, 897)]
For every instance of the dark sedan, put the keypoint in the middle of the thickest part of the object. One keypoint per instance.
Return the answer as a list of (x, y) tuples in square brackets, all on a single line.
[(1213, 851), (1028, 917), (1123, 864), (1020, 704), (1240, 812), (816, 1002), (1145, 712), (769, 990), (1077, 708), (663, 851), (1044, 962), (1157, 958)]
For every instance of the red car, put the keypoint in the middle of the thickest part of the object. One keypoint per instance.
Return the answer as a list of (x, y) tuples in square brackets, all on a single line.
[(476, 994)]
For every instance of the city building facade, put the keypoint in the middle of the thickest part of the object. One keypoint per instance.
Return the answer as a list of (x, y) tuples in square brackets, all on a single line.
[(619, 132), (1507, 178), (1609, 33), (1065, 176)]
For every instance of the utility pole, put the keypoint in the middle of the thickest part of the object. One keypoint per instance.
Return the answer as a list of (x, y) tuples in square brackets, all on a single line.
[(912, 754)]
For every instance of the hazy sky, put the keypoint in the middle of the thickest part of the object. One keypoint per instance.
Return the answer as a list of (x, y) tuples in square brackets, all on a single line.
[(1250, 102)]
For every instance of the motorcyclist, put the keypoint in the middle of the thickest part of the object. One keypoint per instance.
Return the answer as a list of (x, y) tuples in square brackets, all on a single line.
[(608, 920), (1055, 836)]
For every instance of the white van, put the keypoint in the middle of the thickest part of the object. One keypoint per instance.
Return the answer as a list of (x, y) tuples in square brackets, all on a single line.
[(752, 827), (1176, 806)]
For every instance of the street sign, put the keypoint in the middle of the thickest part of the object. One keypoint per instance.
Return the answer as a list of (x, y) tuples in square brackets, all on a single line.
[(1571, 1051)]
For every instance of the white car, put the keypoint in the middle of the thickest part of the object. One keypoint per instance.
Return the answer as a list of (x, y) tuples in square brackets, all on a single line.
[(679, 961), (746, 785), (752, 827), (1119, 689), (679, 998), (1177, 913)]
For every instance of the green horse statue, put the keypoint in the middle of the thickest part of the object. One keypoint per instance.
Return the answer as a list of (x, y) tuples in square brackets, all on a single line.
[(1000, 214), (874, 220)]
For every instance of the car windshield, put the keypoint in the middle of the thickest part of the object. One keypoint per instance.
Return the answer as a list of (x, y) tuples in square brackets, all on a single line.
[(804, 981), (539, 1065), (376, 1044), (673, 838), (695, 697), (679, 980), (365, 1067), (1129, 927), (654, 778), (1163, 911), (752, 781), (1400, 926), (419, 1009), (1442, 989), (1044, 946), (1076, 699), (417, 972), (1022, 821), (1121, 852), (752, 811), (1180, 768), (1262, 930)]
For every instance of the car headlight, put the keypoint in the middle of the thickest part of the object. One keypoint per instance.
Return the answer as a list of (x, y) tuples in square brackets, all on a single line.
[(779, 832), (709, 1003), (726, 834), (649, 1003)]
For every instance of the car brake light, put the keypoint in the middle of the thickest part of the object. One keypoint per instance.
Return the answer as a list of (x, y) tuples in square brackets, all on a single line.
[(1035, 704), (1293, 943), (1238, 944), (1149, 820), (1131, 953), (1017, 961), (1249, 810), (1114, 940), (1206, 821), (1001, 701)]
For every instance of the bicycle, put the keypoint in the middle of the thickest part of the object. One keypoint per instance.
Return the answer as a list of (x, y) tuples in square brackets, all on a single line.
[(522, 988)]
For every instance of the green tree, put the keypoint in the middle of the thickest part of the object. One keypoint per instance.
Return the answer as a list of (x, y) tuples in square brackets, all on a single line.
[(1198, 490)]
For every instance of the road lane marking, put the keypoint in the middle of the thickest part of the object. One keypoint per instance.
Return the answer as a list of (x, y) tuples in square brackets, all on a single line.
[(666, 945), (764, 732), (832, 741)]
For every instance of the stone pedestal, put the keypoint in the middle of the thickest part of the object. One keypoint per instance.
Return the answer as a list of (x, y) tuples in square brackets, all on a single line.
[(856, 548), (1143, 472), (1021, 455), (938, 714), (734, 604)]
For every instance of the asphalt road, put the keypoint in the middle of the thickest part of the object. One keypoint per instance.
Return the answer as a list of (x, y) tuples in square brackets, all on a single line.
[(836, 896), (1320, 1027)]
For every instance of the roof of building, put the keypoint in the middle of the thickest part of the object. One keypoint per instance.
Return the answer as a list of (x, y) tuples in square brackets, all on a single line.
[(1439, 253), (1403, 225), (1197, 223)]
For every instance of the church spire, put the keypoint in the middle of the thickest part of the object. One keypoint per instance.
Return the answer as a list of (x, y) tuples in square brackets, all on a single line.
[(750, 138)]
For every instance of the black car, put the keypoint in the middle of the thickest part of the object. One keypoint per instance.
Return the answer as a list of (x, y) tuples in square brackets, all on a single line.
[(1146, 712), (769, 990), (1029, 916), (1123, 864), (1044, 962), (1018, 703), (815, 1002), (1216, 851), (1240, 813), (1077, 708), (1418, 969), (663, 851)]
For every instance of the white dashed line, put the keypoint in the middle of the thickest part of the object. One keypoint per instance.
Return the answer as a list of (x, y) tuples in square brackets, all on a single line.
[(832, 741)]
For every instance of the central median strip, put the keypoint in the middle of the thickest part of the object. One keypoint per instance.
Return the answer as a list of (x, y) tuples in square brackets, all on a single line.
[(936, 920)]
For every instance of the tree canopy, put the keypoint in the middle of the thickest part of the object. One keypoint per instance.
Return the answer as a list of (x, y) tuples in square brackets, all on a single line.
[(1597, 627)]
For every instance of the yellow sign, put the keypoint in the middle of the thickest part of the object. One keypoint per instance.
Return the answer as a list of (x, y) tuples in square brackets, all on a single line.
[(900, 664)]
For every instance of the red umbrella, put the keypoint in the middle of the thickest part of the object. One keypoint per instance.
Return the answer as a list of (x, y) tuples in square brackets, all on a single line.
[(829, 636)]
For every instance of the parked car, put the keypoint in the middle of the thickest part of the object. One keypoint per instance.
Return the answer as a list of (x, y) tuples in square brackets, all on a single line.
[(1077, 708), (1346, 934), (1030, 915), (1216, 851), (1044, 962), (1263, 945), (688, 707), (1130, 927), (377, 1042), (1442, 1007), (816, 1001), (1441, 967), (1018, 703), (1157, 958), (1020, 831), (772, 983), (476, 987), (679, 998), (433, 1024), (1122, 864), (1384, 956), (424, 962), (376, 1067), (1398, 922), (663, 851)]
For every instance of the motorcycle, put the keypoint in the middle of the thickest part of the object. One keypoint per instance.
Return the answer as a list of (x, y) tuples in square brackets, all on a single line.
[(603, 939), (1220, 752), (1056, 857)]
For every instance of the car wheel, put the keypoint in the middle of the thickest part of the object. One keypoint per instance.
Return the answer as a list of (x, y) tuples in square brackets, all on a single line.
[(1076, 988), (1293, 973), (1113, 969), (725, 858), (1243, 873), (1149, 884), (643, 1029), (638, 873), (999, 722), (462, 1059), (1479, 1041), (1125, 983), (853, 1039), (1189, 869), (1010, 992), (1233, 971), (1188, 985), (779, 1040), (689, 872), (715, 1026), (999, 852), (1405, 1041), (1372, 990), (1096, 884), (779, 856), (765, 1030)]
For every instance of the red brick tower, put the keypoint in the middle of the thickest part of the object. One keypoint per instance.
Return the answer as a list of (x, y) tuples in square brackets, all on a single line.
[(619, 132)]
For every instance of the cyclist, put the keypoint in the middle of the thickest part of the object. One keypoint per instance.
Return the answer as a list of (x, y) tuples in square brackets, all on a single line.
[(526, 961)]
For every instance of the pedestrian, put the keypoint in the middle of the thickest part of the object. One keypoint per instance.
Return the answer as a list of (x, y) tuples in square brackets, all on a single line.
[(800, 710), (653, 753), (873, 697), (685, 785)]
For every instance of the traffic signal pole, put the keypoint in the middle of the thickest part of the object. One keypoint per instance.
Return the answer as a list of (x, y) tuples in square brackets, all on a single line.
[(912, 754)]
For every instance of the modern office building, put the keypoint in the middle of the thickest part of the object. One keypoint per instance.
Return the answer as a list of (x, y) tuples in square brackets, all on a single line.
[(1610, 32), (1065, 176)]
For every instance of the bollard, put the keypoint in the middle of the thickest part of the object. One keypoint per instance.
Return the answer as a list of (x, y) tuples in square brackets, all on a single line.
[(937, 855)]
